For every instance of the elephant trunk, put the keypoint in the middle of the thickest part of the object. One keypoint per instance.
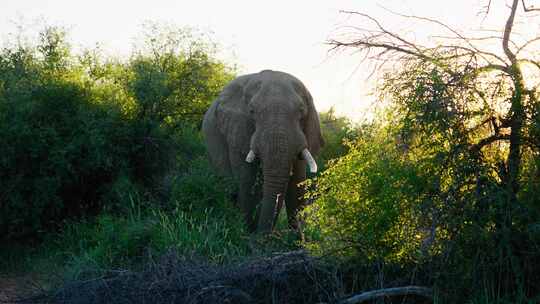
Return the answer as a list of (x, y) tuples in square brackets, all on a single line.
[(276, 161), (275, 183), (274, 189)]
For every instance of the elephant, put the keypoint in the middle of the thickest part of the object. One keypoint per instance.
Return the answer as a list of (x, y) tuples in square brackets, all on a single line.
[(264, 124)]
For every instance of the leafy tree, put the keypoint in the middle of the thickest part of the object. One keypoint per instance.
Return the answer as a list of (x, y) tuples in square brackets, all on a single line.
[(58, 149), (465, 119), (172, 79), (478, 95), (174, 76), (80, 133)]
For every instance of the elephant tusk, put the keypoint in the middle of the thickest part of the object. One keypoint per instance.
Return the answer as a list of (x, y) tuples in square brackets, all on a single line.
[(310, 161), (250, 157)]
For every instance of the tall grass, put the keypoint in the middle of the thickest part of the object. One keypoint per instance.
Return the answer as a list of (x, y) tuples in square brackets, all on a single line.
[(92, 248)]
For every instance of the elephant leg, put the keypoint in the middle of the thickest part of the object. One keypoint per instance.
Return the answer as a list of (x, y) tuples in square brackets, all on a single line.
[(294, 200), (245, 175)]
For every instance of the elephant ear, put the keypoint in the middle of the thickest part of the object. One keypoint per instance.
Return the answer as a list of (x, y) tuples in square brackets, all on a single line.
[(218, 151), (233, 120), (311, 125)]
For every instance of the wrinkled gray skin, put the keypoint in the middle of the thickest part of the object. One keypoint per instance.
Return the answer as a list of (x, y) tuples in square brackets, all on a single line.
[(271, 113)]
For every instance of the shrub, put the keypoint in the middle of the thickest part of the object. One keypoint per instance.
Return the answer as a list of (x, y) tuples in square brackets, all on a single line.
[(199, 188), (365, 203), (58, 154), (337, 131), (79, 131)]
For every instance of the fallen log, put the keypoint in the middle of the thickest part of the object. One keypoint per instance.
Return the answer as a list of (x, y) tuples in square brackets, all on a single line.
[(389, 292)]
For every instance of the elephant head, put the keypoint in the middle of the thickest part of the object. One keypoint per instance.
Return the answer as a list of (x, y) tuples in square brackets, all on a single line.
[(269, 117)]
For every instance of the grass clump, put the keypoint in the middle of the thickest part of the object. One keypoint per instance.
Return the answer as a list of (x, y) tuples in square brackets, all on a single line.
[(125, 242)]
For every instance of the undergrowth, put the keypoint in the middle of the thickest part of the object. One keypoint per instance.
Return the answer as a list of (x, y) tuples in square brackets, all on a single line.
[(92, 248)]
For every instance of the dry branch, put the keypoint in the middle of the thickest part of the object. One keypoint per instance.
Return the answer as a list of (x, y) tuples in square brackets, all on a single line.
[(389, 292), (530, 8), (291, 277)]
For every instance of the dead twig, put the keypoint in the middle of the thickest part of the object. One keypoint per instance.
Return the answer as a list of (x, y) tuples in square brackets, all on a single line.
[(389, 292), (529, 8)]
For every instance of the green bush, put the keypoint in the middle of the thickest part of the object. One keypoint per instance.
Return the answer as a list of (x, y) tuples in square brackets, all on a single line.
[(199, 188), (59, 151), (337, 131), (365, 203), (190, 147), (80, 133)]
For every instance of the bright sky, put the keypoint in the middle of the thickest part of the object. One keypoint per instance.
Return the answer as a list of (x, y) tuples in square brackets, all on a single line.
[(282, 35)]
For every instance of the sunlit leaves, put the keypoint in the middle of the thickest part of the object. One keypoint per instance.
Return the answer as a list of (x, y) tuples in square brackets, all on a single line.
[(365, 202), (175, 74)]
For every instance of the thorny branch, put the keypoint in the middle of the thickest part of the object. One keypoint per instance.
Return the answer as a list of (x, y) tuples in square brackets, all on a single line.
[(471, 47), (391, 43)]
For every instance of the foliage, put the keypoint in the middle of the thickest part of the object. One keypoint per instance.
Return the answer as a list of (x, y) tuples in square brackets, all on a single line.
[(366, 201), (197, 222), (199, 189), (423, 187), (77, 130), (465, 115), (121, 242), (172, 79), (477, 206), (59, 149), (174, 84), (337, 131)]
